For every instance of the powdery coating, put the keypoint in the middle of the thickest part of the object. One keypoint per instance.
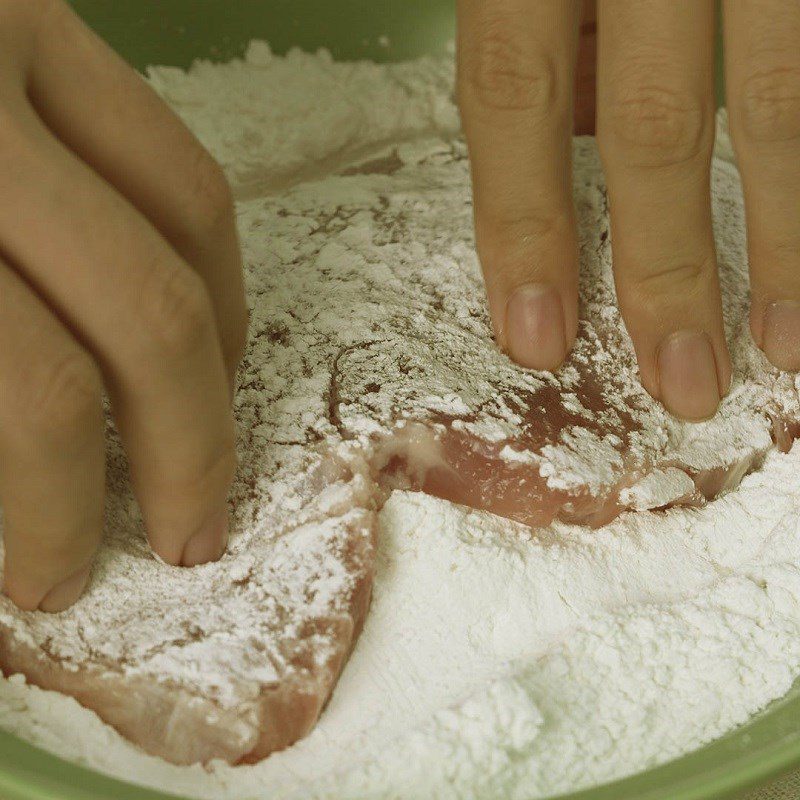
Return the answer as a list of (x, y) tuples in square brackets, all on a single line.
[(262, 116), (370, 353), (370, 309), (236, 660), (231, 660), (624, 647), (573, 656), (660, 488)]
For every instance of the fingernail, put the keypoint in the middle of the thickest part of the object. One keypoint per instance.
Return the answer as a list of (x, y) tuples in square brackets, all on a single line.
[(687, 375), (535, 329), (781, 336), (209, 543), (66, 593)]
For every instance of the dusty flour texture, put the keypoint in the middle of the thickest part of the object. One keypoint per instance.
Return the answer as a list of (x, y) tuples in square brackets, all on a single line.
[(497, 660)]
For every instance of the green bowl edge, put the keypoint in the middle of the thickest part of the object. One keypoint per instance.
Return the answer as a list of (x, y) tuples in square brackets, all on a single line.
[(178, 31)]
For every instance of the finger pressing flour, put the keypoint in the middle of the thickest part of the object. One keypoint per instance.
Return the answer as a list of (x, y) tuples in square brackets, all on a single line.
[(371, 368)]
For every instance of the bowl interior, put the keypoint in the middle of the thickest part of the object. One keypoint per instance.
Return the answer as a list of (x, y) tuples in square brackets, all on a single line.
[(178, 31)]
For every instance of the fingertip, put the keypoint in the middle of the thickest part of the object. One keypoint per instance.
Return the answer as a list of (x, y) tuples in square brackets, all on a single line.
[(24, 593), (24, 598), (535, 329), (781, 335), (169, 549), (208, 543), (688, 376), (30, 595), (65, 594)]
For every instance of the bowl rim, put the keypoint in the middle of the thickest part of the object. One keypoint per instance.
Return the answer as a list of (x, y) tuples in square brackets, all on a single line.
[(164, 27)]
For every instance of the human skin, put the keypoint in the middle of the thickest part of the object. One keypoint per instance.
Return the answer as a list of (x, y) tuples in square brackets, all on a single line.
[(120, 269), (526, 80), (120, 272)]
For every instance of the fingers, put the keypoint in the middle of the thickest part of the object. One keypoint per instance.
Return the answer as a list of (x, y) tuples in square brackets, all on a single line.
[(105, 112), (762, 62), (52, 455), (147, 320), (655, 132), (516, 72)]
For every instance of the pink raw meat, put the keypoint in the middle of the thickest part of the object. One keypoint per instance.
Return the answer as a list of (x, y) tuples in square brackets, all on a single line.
[(580, 446), (231, 660), (370, 367)]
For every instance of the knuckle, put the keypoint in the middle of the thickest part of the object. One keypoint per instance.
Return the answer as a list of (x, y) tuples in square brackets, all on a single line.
[(177, 310), (770, 104), (506, 231), (659, 126), (504, 73), (509, 244), (64, 395), (212, 198), (684, 281)]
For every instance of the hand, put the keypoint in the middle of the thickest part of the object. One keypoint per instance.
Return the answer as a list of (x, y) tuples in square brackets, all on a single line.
[(655, 130), (120, 269)]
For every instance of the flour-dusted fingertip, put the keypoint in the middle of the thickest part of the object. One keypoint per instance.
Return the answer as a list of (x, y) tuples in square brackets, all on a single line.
[(688, 378), (65, 594), (781, 335), (208, 543), (535, 330)]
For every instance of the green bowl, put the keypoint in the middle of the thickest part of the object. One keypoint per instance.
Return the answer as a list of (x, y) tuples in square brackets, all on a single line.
[(176, 32)]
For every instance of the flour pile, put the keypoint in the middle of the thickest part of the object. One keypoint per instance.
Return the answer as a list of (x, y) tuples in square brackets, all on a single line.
[(496, 660)]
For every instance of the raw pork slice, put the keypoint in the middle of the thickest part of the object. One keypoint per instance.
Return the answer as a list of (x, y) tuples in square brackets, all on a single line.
[(230, 660), (371, 366), (379, 277)]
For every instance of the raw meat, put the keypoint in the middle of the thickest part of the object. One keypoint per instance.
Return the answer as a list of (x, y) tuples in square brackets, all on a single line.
[(415, 369), (371, 367), (232, 660)]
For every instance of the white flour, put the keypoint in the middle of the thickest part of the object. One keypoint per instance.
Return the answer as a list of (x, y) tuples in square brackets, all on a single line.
[(496, 661)]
